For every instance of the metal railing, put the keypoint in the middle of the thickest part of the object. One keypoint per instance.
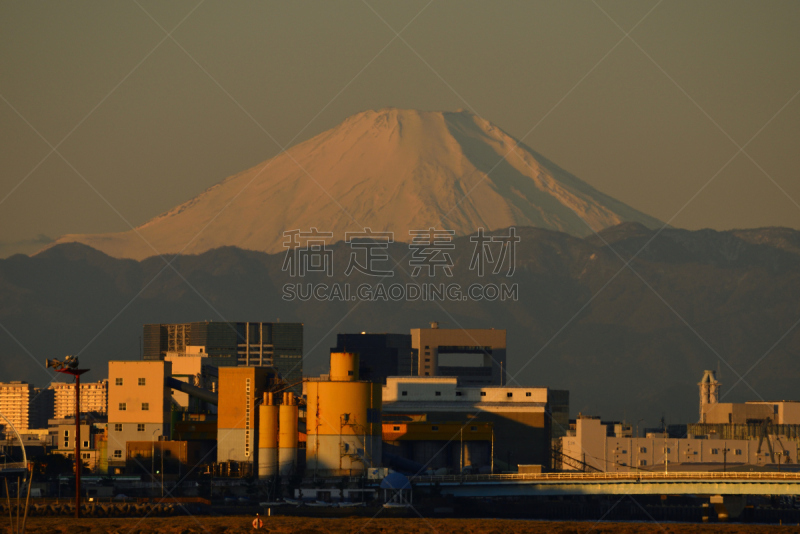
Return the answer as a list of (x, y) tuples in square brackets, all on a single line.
[(640, 476)]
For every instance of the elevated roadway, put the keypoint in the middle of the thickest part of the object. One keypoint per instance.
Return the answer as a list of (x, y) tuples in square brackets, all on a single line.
[(679, 483)]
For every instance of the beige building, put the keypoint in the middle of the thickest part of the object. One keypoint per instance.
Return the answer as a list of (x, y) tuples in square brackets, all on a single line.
[(779, 412), (522, 418), (139, 405), (476, 356), (94, 398), (600, 446), (24, 406)]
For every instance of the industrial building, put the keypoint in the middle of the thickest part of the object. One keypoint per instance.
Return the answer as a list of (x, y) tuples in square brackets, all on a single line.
[(597, 446), (454, 446), (195, 371), (240, 390), (343, 421), (380, 355), (278, 345), (94, 398), (139, 406), (24, 405), (521, 418), (477, 357)]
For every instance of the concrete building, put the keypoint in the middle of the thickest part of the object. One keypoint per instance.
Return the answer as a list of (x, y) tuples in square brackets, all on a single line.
[(139, 406), (24, 406), (380, 355), (91, 450), (240, 389), (258, 344), (595, 445), (476, 356), (522, 418), (94, 398)]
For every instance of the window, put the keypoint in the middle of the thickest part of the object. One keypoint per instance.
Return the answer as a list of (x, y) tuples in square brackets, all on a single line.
[(86, 444), (434, 427), (642, 449), (624, 451), (642, 462), (427, 373), (118, 381), (483, 393), (140, 427), (66, 444), (85, 455), (714, 451), (117, 427), (123, 406), (527, 393), (427, 359), (738, 452), (118, 453), (145, 406), (350, 373), (404, 393), (141, 381), (66, 433), (427, 346), (458, 393), (669, 450), (509, 394), (623, 464), (396, 428), (438, 393)]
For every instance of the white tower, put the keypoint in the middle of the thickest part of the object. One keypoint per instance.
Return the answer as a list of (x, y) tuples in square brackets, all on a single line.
[(709, 392)]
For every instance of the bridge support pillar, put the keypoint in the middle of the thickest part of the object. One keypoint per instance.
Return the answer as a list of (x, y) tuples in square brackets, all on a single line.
[(728, 506)]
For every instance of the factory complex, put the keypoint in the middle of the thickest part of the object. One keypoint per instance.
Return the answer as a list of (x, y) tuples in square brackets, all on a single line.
[(229, 401)]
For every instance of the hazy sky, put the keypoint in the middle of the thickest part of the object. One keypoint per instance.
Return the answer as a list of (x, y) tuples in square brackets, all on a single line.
[(142, 121)]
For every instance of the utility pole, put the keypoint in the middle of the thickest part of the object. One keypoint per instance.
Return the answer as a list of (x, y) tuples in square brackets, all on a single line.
[(70, 366)]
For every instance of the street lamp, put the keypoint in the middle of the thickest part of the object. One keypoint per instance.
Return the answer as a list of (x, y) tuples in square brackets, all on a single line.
[(70, 366)]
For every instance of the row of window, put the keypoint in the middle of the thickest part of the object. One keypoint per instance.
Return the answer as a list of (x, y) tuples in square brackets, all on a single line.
[(434, 427), (737, 452), (509, 394), (118, 381), (118, 427), (123, 406)]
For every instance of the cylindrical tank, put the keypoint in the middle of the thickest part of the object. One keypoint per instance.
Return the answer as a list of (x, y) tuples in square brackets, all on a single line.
[(287, 436), (267, 438), (344, 367), (343, 423)]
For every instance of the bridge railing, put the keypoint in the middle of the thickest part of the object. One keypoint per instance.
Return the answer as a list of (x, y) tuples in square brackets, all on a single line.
[(544, 477)]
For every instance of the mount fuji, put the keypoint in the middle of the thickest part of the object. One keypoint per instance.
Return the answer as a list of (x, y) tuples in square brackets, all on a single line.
[(389, 170)]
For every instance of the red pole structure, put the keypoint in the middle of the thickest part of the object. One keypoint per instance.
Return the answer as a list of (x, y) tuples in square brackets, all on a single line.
[(78, 461)]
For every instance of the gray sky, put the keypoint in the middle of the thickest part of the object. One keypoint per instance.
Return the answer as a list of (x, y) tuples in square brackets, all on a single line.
[(148, 122)]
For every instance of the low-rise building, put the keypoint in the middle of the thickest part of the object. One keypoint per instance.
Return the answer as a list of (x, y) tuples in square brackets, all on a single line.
[(522, 418), (598, 446), (139, 406)]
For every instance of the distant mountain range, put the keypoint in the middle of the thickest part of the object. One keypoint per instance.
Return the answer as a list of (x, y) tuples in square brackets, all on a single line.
[(389, 170), (582, 322)]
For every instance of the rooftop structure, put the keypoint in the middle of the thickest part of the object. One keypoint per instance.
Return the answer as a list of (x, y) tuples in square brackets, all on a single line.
[(476, 356)]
